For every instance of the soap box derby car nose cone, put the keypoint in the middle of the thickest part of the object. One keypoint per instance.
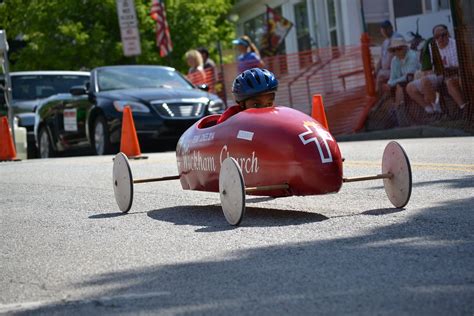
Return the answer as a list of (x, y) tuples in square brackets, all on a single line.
[(271, 146), (276, 151)]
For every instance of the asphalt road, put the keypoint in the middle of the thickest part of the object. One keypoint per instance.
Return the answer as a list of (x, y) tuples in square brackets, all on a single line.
[(66, 249)]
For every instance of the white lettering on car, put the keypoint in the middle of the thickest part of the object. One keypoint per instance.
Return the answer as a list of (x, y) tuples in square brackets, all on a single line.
[(247, 164)]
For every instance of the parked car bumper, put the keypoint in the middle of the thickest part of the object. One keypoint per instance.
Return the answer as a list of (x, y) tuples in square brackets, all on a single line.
[(150, 128)]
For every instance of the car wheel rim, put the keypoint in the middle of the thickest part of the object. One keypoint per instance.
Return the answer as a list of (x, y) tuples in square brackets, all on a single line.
[(99, 138), (44, 145)]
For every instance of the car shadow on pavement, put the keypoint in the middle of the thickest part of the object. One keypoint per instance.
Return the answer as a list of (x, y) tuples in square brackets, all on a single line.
[(383, 211), (211, 219), (419, 266), (455, 183), (107, 215), (111, 215), (374, 212)]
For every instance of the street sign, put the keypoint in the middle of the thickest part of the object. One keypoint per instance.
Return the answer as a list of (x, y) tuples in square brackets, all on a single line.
[(3, 42), (128, 27)]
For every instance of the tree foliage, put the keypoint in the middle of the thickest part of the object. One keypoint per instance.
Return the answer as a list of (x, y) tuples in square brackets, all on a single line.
[(78, 34)]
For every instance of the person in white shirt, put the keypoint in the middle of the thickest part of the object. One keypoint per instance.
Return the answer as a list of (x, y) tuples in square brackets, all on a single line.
[(445, 65)]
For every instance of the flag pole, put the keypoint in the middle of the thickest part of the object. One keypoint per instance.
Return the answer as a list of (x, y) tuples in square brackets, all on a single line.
[(269, 36), (219, 49)]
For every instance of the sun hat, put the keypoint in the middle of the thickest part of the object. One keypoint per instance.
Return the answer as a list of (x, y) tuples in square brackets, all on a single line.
[(240, 41), (397, 42)]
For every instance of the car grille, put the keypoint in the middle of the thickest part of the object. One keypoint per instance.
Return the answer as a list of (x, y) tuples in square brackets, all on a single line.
[(179, 109)]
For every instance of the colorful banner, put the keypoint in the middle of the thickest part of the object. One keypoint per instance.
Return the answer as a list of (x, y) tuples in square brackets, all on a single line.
[(276, 30)]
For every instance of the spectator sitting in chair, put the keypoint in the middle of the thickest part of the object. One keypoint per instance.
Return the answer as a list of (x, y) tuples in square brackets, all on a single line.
[(404, 64), (443, 66)]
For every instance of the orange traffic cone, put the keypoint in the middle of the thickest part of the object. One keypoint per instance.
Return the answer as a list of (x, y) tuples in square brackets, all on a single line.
[(318, 112), (7, 148), (129, 141)]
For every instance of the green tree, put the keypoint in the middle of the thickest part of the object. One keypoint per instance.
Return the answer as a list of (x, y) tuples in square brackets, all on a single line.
[(75, 34)]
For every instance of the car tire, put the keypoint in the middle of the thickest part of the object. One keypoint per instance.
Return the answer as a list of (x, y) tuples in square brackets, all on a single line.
[(100, 137), (45, 149), (31, 150)]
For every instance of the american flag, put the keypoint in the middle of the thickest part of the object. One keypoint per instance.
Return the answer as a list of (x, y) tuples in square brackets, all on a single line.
[(163, 39)]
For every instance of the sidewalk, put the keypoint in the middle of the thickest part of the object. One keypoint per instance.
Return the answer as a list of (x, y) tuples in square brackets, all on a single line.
[(405, 132)]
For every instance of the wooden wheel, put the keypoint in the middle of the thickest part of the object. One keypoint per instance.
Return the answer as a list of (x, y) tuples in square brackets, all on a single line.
[(398, 186), (123, 182), (232, 191)]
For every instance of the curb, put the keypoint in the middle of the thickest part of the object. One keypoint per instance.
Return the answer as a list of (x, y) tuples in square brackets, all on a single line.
[(408, 132)]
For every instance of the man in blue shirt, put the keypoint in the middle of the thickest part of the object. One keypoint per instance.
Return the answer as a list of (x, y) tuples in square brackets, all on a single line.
[(404, 65)]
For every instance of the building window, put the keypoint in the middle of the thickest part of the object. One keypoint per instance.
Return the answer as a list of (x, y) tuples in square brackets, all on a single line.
[(403, 8), (442, 5), (255, 29), (332, 22), (302, 26)]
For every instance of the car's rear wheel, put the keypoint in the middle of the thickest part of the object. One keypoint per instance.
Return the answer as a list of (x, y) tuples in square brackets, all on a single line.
[(45, 146), (101, 141)]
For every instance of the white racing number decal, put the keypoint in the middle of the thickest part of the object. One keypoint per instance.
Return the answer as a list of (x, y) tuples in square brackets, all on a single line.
[(314, 133), (70, 120)]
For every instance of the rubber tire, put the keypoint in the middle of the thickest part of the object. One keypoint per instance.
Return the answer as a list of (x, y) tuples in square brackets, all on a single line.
[(31, 150), (43, 132), (107, 146)]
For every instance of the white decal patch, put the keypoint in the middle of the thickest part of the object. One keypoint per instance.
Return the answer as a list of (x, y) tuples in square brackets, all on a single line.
[(316, 134), (70, 120), (205, 137), (245, 135)]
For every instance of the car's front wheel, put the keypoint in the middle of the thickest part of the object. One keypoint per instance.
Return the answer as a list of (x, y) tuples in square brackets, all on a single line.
[(101, 142), (45, 145)]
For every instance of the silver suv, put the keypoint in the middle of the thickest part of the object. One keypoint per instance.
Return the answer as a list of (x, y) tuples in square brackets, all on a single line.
[(30, 87)]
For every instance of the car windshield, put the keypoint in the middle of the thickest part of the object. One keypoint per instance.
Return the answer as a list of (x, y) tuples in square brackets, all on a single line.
[(31, 87), (116, 78)]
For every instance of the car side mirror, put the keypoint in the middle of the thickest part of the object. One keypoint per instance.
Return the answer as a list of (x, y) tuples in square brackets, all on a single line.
[(78, 90), (203, 87)]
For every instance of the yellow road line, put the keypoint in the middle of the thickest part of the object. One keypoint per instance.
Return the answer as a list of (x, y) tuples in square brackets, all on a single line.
[(418, 165)]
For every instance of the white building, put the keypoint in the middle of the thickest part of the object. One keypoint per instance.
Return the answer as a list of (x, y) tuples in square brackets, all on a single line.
[(323, 23)]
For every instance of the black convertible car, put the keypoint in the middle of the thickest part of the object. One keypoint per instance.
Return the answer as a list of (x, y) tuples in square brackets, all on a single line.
[(163, 102)]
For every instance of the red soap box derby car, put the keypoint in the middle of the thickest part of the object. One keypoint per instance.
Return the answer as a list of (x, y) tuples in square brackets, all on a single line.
[(276, 152)]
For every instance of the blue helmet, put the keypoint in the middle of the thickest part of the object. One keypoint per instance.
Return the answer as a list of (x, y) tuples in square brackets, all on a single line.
[(253, 82)]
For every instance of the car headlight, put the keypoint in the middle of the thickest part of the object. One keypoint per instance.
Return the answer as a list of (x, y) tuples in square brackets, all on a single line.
[(134, 106), (216, 106)]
